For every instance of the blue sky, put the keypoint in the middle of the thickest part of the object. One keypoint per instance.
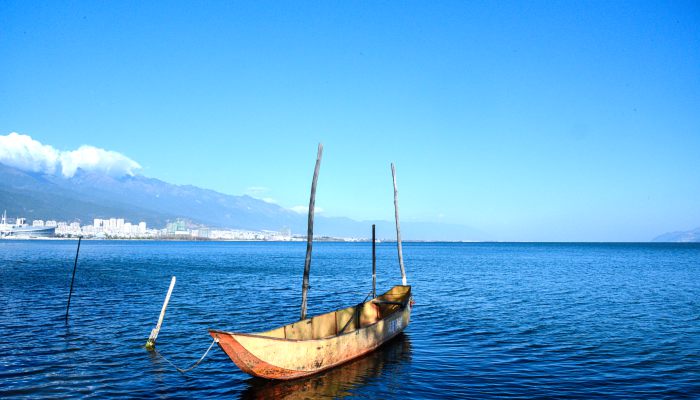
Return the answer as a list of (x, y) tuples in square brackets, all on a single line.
[(526, 120)]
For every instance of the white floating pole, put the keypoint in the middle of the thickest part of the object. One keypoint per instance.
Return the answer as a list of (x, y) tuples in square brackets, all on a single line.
[(398, 227), (151, 343)]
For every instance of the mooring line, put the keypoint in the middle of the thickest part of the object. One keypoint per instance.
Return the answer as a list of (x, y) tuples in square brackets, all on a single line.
[(193, 365)]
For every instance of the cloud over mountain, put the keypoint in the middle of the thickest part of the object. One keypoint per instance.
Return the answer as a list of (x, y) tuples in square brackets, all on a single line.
[(305, 209), (23, 152)]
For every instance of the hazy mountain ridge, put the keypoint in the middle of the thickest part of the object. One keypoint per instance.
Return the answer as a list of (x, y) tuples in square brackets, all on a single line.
[(37, 196), (691, 236), (89, 195), (92, 195)]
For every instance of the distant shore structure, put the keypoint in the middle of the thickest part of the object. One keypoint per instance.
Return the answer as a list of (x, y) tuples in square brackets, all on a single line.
[(19, 228), (120, 228)]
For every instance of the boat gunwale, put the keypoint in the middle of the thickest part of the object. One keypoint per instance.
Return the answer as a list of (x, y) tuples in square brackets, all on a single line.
[(387, 318), (300, 374)]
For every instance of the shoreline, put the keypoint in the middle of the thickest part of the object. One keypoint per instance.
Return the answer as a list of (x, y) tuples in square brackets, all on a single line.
[(320, 240)]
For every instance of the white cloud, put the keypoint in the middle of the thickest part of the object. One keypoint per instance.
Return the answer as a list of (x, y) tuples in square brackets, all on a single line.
[(25, 153), (94, 159), (305, 209), (257, 191)]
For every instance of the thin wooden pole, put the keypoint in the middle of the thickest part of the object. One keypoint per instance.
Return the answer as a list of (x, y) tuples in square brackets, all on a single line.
[(310, 233), (374, 263), (75, 266), (151, 342), (398, 226)]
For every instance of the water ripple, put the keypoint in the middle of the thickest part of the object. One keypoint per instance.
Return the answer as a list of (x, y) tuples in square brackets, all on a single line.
[(490, 321)]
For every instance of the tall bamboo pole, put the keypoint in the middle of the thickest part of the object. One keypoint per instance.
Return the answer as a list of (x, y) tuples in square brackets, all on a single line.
[(398, 226), (374, 263), (310, 233)]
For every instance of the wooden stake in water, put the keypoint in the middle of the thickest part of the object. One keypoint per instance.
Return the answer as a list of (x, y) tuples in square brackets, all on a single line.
[(398, 227), (75, 266), (151, 343), (310, 233), (374, 263)]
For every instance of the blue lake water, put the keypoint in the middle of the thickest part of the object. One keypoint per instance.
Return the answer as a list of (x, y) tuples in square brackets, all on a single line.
[(490, 320)]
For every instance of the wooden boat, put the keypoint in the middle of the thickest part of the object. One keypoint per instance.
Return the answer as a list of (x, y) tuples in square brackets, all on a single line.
[(315, 344), (312, 345), (335, 382)]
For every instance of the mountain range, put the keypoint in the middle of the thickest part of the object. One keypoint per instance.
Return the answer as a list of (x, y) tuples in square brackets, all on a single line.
[(88, 195), (691, 236)]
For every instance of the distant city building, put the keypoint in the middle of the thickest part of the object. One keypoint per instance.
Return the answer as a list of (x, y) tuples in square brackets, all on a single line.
[(119, 228), (178, 228)]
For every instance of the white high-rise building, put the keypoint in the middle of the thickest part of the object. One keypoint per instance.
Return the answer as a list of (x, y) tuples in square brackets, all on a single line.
[(97, 223), (142, 227)]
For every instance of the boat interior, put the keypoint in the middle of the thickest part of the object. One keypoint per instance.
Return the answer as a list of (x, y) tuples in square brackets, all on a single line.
[(345, 320)]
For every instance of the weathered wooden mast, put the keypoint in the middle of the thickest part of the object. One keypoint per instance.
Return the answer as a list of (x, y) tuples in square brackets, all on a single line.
[(310, 233), (374, 263), (398, 226)]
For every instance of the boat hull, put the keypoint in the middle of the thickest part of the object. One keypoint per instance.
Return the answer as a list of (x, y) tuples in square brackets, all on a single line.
[(278, 358), (29, 232)]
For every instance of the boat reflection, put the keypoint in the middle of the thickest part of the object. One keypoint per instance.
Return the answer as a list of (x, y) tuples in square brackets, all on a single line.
[(336, 382)]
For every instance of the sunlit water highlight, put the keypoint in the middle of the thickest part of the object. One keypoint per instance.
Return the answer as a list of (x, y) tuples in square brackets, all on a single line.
[(491, 320)]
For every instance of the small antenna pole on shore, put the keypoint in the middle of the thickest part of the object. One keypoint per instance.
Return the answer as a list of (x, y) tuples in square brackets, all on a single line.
[(75, 266), (151, 343), (374, 263), (398, 226), (310, 233)]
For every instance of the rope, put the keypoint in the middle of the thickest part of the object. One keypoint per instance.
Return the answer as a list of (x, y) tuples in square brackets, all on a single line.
[(356, 314), (193, 365)]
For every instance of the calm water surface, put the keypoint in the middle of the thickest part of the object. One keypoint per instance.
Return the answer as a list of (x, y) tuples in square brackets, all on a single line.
[(491, 320)]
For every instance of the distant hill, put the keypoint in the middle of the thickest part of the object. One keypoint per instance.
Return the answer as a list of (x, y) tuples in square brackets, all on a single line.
[(692, 236), (137, 198), (89, 195)]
